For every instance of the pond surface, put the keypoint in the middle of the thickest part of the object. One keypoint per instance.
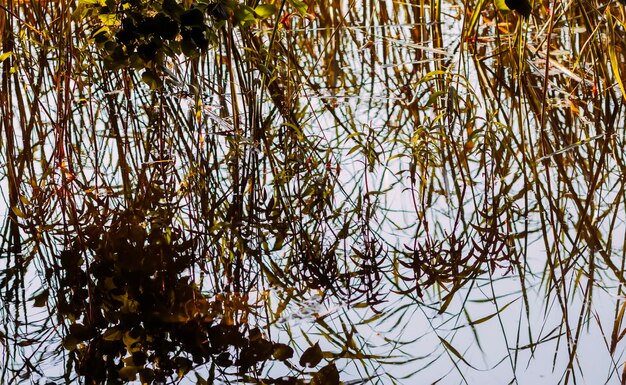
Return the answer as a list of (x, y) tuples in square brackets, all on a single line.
[(365, 192)]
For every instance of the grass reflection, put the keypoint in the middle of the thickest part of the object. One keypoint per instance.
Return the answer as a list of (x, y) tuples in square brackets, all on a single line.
[(341, 191)]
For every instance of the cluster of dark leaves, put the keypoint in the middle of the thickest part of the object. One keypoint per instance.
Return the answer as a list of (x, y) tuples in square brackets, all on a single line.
[(432, 262), (317, 266), (131, 311), (147, 35), (319, 260), (148, 31), (456, 261), (367, 280)]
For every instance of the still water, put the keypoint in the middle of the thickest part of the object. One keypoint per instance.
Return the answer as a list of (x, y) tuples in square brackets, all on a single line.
[(396, 193)]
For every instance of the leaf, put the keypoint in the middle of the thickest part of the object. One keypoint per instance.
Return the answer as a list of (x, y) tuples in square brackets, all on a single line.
[(354, 149), (18, 212), (312, 356), (193, 17), (172, 8), (244, 15), (26, 342), (328, 375), (139, 358), (131, 341), (80, 331), (151, 79), (112, 334), (300, 6), (101, 36), (183, 365), (452, 350), (146, 376), (108, 19), (490, 316), (345, 231), (264, 11), (501, 5), (41, 299), (200, 380), (70, 342), (128, 373), (282, 352), (5, 56), (616, 325), (446, 303), (616, 69)]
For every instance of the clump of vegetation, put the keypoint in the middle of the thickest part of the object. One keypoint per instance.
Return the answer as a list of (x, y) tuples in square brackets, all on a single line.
[(141, 34)]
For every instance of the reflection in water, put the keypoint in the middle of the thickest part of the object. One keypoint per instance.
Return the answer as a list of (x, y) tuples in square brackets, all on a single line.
[(361, 192)]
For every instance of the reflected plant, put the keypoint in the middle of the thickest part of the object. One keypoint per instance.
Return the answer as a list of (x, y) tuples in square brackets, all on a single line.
[(405, 160), (132, 309), (142, 34)]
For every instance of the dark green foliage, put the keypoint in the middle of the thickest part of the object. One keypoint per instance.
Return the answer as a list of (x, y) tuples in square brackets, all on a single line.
[(219, 11), (167, 28), (147, 31), (522, 7), (172, 8), (192, 18)]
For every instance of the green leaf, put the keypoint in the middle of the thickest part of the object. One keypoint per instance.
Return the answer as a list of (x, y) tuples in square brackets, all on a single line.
[(264, 11), (100, 31), (455, 352), (490, 316), (616, 70), (151, 79), (108, 19), (501, 5), (300, 6), (244, 15)]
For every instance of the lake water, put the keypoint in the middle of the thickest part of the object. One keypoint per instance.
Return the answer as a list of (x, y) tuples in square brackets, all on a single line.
[(482, 187)]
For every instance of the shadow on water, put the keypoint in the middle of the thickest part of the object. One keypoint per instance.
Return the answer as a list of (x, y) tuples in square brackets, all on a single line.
[(318, 193)]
